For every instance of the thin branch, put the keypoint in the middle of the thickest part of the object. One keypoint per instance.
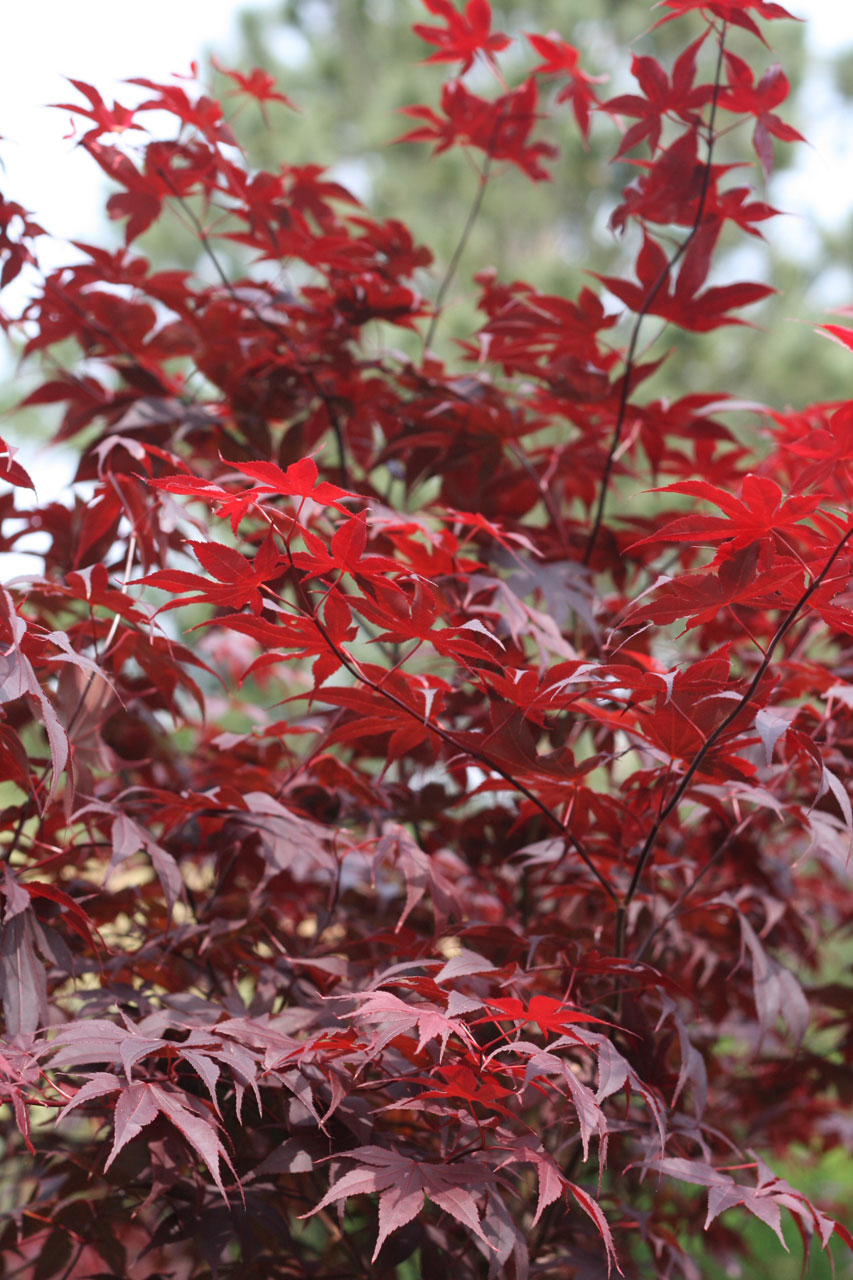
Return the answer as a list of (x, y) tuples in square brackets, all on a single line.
[(268, 324), (647, 852), (353, 667), (453, 265), (689, 888), (644, 310)]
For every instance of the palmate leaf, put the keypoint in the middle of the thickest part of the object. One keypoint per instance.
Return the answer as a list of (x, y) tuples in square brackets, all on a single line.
[(421, 873), (550, 1015), (759, 513), (206, 1050), (403, 1183), (552, 1182), (93, 1040), (776, 991), (100, 1085), (299, 480), (764, 1201), (734, 11), (469, 1081), (741, 579), (661, 96), (237, 580), (393, 1016), (563, 59), (18, 679), (139, 1104), (541, 1065), (23, 979), (593, 1211), (128, 837), (500, 127), (682, 303), (466, 34)]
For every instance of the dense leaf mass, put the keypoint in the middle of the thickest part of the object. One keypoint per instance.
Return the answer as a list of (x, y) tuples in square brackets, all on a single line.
[(420, 855)]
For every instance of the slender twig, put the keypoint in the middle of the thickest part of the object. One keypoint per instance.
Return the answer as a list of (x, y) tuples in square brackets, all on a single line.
[(647, 851), (304, 762), (131, 551), (721, 848), (648, 301), (354, 668), (544, 491), (73, 1263), (310, 375), (453, 265)]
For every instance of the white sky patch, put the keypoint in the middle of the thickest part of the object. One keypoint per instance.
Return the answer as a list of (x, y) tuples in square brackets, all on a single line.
[(830, 23)]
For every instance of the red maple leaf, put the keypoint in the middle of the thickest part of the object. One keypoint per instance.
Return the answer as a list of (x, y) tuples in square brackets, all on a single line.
[(345, 554), (257, 84), (550, 1014), (403, 1183), (661, 97), (562, 59), (682, 304), (733, 11), (501, 128), (114, 119), (465, 35), (745, 97), (459, 1080), (237, 580), (759, 513)]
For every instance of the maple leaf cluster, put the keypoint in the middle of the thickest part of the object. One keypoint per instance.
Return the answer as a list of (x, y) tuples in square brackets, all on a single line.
[(417, 853)]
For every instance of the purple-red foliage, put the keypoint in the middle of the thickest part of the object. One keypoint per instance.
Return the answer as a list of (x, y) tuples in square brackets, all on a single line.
[(458, 891)]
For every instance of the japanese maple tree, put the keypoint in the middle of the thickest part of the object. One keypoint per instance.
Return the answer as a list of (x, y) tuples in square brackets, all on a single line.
[(422, 855)]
